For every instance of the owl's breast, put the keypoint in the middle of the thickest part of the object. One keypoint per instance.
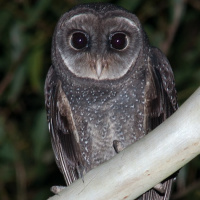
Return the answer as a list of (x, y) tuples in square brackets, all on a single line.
[(104, 116)]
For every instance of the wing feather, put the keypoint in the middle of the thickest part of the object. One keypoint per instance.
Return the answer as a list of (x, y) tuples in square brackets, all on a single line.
[(62, 128), (161, 102)]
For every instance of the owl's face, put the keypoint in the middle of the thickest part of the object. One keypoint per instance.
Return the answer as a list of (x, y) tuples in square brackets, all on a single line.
[(96, 44)]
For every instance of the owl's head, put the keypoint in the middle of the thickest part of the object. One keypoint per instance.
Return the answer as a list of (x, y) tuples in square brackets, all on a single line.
[(97, 41)]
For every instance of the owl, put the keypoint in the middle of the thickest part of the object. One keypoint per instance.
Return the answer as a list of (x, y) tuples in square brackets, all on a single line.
[(106, 89)]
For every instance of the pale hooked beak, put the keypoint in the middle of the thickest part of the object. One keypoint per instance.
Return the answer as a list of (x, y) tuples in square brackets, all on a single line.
[(99, 66)]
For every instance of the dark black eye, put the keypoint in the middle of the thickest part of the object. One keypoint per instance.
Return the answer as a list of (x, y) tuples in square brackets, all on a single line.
[(79, 40), (118, 41)]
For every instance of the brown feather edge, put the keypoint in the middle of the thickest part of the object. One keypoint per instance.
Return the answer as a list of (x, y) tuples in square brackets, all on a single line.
[(62, 144), (167, 99)]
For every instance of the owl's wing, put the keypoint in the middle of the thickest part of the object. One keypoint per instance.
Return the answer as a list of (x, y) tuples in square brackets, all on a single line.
[(160, 92), (161, 103), (62, 129)]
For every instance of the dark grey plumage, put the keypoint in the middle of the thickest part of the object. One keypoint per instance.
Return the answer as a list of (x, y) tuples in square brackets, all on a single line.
[(99, 94)]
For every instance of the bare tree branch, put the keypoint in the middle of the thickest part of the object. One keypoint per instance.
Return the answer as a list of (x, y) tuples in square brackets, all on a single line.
[(147, 162)]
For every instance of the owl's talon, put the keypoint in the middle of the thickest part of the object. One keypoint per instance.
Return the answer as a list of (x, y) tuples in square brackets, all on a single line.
[(57, 189), (159, 188), (81, 172), (118, 146)]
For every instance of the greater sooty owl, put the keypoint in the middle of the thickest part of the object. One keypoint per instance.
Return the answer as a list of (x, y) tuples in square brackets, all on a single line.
[(106, 86)]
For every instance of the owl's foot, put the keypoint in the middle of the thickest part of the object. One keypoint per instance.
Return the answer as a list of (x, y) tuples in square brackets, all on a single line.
[(118, 146), (81, 172), (57, 189), (159, 188)]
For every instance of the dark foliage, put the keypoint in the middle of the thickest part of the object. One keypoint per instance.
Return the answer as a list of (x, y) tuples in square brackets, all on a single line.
[(27, 167)]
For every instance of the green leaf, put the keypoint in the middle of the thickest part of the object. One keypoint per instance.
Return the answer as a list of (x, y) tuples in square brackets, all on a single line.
[(17, 83), (40, 136), (35, 66)]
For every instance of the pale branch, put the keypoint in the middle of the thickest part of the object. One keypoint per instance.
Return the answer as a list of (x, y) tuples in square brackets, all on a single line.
[(145, 163)]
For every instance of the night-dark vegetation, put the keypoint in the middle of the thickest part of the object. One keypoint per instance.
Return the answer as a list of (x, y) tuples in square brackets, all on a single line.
[(27, 166)]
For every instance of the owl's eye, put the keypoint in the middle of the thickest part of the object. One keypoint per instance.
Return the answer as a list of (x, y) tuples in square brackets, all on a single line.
[(118, 41), (79, 40)]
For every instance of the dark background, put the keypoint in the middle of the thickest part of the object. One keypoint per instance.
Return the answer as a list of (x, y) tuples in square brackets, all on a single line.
[(27, 167)]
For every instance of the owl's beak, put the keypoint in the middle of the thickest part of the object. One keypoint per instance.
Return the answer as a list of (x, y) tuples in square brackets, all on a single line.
[(99, 68)]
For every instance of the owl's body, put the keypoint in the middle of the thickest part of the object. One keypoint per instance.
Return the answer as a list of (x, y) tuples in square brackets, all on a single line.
[(105, 91)]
